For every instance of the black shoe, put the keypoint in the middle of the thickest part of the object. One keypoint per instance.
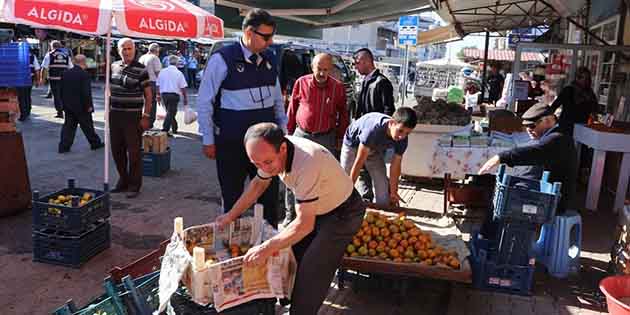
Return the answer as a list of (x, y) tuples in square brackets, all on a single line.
[(23, 118), (59, 115), (64, 150), (133, 194), (48, 96), (97, 146)]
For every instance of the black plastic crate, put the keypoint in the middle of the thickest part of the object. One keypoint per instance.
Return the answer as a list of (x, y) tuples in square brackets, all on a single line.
[(183, 305), (488, 274), (53, 247), (525, 200), (156, 164), (516, 244), (74, 219)]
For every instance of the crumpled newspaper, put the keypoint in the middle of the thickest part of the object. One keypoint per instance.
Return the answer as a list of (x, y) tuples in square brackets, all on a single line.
[(174, 263)]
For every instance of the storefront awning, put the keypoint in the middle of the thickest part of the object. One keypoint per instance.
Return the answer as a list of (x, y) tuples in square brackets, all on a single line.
[(475, 16), (438, 35), (502, 55)]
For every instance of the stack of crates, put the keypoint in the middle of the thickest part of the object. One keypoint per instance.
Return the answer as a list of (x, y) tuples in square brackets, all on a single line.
[(505, 262), (70, 226)]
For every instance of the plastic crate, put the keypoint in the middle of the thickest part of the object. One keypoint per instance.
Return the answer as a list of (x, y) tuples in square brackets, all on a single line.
[(57, 248), (183, 305), (73, 219), (490, 275), (526, 200), (14, 65), (156, 164), (516, 244)]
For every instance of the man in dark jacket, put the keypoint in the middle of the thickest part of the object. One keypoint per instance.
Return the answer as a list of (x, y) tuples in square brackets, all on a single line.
[(76, 93), (377, 93), (578, 101), (554, 152)]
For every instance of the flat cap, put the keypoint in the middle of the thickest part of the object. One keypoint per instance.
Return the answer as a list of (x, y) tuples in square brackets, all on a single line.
[(536, 112)]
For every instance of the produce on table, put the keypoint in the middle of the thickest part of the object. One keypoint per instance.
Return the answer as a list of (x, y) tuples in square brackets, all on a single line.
[(440, 112), (66, 200), (398, 239)]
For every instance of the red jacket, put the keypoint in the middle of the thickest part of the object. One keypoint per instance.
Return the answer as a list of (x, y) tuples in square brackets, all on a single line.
[(318, 110)]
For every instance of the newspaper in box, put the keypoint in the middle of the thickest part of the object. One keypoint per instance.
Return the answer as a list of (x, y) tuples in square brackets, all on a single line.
[(209, 262), (154, 141)]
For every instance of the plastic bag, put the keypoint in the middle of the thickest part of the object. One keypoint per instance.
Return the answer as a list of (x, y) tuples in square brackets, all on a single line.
[(160, 111), (190, 116)]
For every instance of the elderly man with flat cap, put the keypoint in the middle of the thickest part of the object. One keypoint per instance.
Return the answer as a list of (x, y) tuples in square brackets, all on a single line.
[(554, 152)]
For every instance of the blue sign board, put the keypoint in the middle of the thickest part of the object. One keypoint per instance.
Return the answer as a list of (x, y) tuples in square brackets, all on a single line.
[(408, 30)]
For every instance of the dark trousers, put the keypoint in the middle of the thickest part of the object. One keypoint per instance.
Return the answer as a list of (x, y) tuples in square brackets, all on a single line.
[(233, 166), (170, 102), (24, 98), (319, 254), (153, 104), (126, 139), (192, 78), (55, 87), (69, 129)]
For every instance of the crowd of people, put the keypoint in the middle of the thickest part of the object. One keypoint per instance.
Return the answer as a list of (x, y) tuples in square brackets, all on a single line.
[(331, 158)]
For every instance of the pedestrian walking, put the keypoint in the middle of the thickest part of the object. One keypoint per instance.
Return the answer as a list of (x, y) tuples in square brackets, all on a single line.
[(182, 65), (193, 63), (56, 61), (130, 92), (171, 87), (317, 111), (240, 90), (24, 92), (151, 62), (76, 93), (329, 213)]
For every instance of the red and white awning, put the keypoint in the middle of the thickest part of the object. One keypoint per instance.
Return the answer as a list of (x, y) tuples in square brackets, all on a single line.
[(138, 18), (502, 55)]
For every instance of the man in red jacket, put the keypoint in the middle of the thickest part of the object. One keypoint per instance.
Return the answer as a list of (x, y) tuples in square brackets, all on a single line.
[(317, 111)]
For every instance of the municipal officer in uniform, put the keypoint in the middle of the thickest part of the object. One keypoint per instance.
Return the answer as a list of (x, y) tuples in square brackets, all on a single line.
[(56, 61), (130, 93), (239, 89), (24, 92)]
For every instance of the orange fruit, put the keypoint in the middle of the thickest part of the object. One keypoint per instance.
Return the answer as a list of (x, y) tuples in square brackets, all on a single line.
[(404, 243), (394, 253), (372, 244)]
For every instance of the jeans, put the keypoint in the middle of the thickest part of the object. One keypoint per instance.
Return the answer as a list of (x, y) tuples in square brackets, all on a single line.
[(192, 78), (375, 166), (321, 252), (170, 102)]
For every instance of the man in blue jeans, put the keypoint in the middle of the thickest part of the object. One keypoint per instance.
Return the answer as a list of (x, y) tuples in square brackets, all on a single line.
[(365, 143)]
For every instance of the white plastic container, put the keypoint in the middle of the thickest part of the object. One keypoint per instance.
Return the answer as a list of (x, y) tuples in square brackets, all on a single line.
[(419, 154)]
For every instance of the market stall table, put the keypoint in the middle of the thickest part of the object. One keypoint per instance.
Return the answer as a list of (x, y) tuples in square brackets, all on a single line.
[(602, 142)]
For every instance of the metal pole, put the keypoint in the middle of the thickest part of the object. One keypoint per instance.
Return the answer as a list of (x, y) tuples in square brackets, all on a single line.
[(404, 77), (485, 67), (107, 94)]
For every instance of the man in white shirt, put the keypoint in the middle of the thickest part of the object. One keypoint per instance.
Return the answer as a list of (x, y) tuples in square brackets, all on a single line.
[(171, 84), (151, 62), (329, 210)]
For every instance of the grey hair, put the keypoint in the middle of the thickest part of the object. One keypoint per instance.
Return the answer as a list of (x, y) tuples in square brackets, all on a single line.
[(123, 41), (55, 44), (154, 47), (79, 59), (172, 60), (321, 56)]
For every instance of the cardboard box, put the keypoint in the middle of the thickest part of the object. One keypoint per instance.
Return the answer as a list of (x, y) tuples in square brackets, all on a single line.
[(155, 141)]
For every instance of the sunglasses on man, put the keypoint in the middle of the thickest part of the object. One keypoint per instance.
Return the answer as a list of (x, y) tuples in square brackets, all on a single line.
[(532, 126), (264, 36)]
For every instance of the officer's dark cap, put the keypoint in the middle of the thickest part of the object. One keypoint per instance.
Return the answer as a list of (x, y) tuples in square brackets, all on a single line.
[(535, 113)]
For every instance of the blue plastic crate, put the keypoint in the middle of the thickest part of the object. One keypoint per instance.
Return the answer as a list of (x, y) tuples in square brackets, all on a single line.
[(15, 68), (70, 219), (57, 248), (156, 164), (525, 200), (490, 275)]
